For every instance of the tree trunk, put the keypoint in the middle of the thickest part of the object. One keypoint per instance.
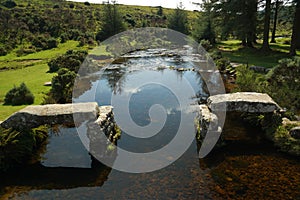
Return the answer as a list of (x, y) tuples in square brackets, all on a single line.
[(273, 40), (296, 30), (266, 47)]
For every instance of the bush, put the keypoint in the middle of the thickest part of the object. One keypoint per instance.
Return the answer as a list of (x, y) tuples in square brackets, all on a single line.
[(16, 148), (62, 86), (19, 96), (216, 55), (284, 83), (3, 51), (70, 60), (64, 37), (206, 44), (87, 3), (44, 42), (51, 43), (281, 83), (23, 51), (249, 81), (222, 64), (9, 4)]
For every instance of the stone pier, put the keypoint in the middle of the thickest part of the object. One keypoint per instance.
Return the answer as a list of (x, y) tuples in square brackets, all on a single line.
[(244, 102)]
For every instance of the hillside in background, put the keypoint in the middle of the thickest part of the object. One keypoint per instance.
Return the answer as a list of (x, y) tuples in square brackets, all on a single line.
[(38, 25)]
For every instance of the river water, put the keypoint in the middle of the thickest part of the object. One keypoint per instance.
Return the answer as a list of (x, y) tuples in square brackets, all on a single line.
[(248, 167)]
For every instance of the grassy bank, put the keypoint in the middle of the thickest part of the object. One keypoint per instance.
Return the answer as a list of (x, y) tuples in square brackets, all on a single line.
[(233, 50), (34, 76)]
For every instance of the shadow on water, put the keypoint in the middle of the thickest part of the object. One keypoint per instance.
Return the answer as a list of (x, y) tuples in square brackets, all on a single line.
[(47, 178)]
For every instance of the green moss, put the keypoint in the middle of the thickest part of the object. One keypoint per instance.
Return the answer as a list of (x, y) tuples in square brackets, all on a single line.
[(285, 142), (17, 148)]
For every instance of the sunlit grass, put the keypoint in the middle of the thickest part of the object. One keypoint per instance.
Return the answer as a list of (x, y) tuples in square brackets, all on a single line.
[(252, 56), (34, 77)]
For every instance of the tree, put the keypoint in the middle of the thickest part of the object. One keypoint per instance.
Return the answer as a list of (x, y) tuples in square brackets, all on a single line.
[(112, 22), (178, 20), (277, 4), (237, 18), (296, 31), (204, 28), (266, 46), (160, 11)]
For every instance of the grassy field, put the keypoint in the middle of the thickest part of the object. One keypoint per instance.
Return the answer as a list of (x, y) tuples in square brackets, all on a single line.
[(33, 76), (233, 50)]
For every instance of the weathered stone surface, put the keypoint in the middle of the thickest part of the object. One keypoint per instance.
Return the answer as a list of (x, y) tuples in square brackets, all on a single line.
[(207, 120), (33, 116), (244, 102), (295, 132)]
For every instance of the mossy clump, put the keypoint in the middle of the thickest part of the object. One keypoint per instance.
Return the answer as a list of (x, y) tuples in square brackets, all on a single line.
[(285, 141), (16, 148)]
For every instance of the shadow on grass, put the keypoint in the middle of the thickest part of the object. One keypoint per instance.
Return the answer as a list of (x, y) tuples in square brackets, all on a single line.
[(253, 56)]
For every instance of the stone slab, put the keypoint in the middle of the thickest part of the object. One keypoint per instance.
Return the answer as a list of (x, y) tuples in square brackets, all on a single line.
[(244, 102), (34, 116)]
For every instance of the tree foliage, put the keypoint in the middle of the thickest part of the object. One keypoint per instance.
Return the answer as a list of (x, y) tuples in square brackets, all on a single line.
[(178, 21), (70, 60), (19, 96), (62, 86), (112, 22)]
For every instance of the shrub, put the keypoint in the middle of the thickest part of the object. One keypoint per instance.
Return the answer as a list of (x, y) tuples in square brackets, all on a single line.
[(19, 96), (70, 60), (3, 51), (9, 4), (18, 147), (87, 3), (64, 37), (215, 55), (284, 83), (51, 43), (222, 64), (249, 81), (206, 44), (62, 86), (25, 51)]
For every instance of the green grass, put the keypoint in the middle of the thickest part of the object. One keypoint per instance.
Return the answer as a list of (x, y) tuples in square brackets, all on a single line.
[(233, 50), (30, 69), (34, 77), (12, 61)]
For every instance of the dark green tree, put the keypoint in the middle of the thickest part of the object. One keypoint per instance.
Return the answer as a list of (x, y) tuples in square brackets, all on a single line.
[(266, 45), (178, 20), (204, 29), (112, 21), (160, 11), (237, 18), (295, 43), (276, 9)]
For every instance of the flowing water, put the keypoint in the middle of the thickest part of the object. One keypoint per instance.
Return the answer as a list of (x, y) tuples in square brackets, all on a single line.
[(248, 167)]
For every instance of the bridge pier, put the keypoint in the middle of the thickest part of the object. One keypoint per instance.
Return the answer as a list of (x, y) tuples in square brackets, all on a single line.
[(213, 113), (98, 122)]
